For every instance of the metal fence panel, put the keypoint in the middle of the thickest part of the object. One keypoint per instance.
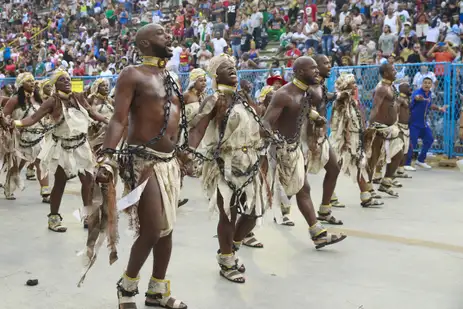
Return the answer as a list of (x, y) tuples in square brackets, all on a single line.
[(455, 144), (368, 78)]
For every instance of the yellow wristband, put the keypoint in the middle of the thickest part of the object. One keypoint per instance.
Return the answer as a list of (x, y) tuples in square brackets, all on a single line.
[(18, 123)]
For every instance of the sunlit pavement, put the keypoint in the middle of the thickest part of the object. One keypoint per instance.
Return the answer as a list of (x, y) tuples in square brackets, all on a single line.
[(409, 255)]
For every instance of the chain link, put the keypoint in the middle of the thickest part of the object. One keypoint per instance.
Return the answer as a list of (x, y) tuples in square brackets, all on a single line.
[(126, 154)]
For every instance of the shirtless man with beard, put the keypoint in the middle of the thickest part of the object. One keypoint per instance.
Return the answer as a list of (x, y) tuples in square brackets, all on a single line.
[(382, 141), (287, 113), (150, 103)]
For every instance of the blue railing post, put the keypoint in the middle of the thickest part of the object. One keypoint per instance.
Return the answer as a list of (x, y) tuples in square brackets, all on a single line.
[(447, 101), (330, 86), (450, 116)]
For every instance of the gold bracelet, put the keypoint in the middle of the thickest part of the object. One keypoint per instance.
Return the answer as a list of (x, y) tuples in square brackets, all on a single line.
[(18, 123)]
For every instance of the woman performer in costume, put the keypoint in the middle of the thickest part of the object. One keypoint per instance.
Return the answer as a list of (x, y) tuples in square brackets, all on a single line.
[(43, 90), (194, 96), (7, 92), (231, 177), (101, 102), (405, 92), (347, 129), (27, 142), (68, 152), (250, 239)]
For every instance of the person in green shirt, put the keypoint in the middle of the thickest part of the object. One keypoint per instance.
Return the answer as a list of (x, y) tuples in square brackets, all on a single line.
[(276, 27), (40, 69), (111, 15)]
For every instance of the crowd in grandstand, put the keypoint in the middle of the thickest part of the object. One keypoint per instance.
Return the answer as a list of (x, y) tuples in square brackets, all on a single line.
[(96, 37)]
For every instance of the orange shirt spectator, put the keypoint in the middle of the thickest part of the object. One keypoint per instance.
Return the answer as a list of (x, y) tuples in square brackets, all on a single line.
[(442, 57), (441, 53)]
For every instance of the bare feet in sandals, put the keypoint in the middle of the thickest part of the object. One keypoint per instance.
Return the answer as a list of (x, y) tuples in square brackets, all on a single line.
[(371, 203), (329, 218), (336, 203), (229, 268), (327, 239), (251, 241), (286, 221), (388, 190)]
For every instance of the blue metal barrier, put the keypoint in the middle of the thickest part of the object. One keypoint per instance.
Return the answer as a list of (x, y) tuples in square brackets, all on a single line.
[(447, 91)]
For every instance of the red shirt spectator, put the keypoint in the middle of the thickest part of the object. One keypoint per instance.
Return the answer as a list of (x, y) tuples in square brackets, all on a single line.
[(293, 53), (79, 70), (312, 10), (10, 68)]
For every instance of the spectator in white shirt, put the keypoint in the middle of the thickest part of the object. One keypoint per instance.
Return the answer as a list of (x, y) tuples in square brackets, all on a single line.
[(311, 30), (219, 44), (423, 73), (343, 14), (257, 19), (299, 37), (393, 21), (106, 71), (174, 62)]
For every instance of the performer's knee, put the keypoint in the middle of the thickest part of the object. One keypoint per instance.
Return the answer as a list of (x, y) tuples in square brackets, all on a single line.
[(304, 192), (151, 237), (333, 169)]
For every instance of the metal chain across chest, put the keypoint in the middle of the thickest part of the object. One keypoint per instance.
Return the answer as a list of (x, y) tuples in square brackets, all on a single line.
[(126, 154), (252, 171), (295, 139)]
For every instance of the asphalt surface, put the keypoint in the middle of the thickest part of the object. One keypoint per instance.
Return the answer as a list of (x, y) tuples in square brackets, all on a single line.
[(406, 255)]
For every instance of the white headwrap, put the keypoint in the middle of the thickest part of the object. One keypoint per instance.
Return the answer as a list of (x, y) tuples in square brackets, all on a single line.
[(194, 76), (96, 84), (57, 74), (345, 82), (214, 63), (22, 78), (41, 84)]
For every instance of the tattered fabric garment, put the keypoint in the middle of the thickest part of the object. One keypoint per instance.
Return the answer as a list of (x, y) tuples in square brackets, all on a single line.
[(405, 136), (97, 130), (239, 152), (287, 172), (102, 222), (168, 177), (68, 146), (24, 144), (32, 135), (191, 112), (346, 138), (315, 147), (391, 143)]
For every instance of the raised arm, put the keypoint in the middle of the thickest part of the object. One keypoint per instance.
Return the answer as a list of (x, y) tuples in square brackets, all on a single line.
[(44, 109), (10, 106), (91, 111), (125, 90)]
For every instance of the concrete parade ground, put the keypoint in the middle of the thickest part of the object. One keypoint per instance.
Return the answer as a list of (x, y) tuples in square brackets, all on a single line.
[(406, 255)]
